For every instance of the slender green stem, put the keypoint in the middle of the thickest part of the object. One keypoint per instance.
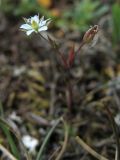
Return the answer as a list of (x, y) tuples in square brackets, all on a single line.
[(81, 45), (44, 38), (40, 153)]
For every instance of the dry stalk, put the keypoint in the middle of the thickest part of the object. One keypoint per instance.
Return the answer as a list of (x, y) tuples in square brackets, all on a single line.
[(89, 149), (65, 141), (7, 153)]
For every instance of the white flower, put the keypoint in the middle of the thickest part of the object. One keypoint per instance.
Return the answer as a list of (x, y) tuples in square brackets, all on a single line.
[(30, 142), (35, 24)]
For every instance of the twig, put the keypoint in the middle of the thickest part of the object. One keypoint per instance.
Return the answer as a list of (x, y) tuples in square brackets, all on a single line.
[(89, 149), (65, 141), (54, 153), (115, 130), (116, 154), (110, 84), (7, 153)]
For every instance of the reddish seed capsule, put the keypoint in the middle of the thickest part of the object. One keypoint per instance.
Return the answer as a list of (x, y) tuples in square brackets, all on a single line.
[(91, 34)]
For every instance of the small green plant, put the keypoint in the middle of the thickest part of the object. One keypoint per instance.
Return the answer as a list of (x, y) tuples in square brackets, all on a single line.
[(80, 16), (22, 7), (37, 25)]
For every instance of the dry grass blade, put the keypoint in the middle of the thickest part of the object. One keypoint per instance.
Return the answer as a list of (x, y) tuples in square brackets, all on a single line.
[(7, 127), (65, 141), (7, 153), (89, 149), (115, 130), (54, 153), (116, 154)]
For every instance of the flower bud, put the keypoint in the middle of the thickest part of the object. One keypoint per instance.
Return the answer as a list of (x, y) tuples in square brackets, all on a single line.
[(90, 34)]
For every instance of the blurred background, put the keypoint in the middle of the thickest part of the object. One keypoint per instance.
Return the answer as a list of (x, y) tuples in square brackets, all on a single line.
[(32, 89)]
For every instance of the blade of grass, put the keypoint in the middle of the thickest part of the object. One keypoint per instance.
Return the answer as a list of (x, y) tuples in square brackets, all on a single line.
[(39, 156), (89, 149), (11, 142), (54, 153), (8, 134), (116, 133), (4, 123), (66, 127), (116, 155), (7, 153)]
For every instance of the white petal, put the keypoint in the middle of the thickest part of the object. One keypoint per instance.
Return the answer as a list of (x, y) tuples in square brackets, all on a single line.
[(42, 18), (48, 21), (44, 28), (42, 23), (27, 20), (29, 32), (35, 18), (26, 27), (30, 142)]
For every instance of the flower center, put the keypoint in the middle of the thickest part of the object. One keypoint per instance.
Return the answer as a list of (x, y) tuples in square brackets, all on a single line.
[(35, 25)]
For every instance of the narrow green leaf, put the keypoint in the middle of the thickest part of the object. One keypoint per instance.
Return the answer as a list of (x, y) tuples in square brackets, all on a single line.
[(7, 129), (40, 153), (11, 142)]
